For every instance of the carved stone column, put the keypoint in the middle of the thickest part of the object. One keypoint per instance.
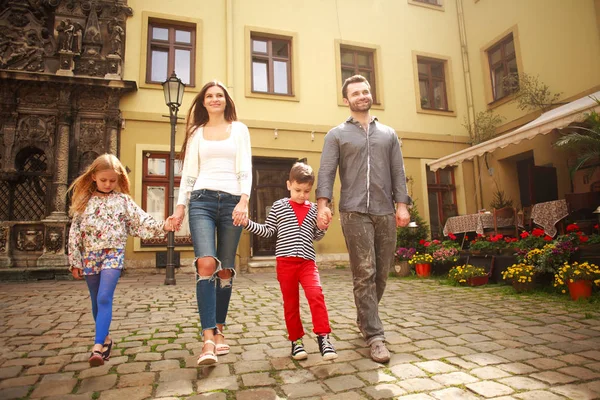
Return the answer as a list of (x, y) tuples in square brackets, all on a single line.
[(5, 259)]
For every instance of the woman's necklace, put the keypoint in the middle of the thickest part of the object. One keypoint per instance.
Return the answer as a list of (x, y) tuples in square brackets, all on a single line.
[(100, 191)]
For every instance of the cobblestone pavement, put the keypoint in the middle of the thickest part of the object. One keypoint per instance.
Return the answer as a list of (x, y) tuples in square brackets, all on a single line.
[(447, 343)]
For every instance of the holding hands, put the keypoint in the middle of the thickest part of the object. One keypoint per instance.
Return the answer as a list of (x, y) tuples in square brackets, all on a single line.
[(324, 218), (240, 212)]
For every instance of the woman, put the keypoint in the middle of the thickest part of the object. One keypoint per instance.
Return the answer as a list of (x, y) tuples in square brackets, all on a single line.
[(216, 180)]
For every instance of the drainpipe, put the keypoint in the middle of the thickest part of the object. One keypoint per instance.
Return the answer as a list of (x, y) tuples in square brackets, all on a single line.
[(469, 94), (229, 46)]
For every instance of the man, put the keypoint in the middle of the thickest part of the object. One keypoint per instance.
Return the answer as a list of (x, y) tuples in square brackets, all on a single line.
[(372, 175)]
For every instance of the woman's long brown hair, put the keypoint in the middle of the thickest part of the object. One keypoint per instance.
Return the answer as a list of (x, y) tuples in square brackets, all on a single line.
[(198, 115), (84, 186)]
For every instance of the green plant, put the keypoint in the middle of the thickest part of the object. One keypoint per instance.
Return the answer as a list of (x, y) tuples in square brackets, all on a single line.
[(483, 127), (500, 200), (520, 272), (461, 273), (485, 244), (420, 258), (530, 93), (412, 236), (576, 272), (583, 140)]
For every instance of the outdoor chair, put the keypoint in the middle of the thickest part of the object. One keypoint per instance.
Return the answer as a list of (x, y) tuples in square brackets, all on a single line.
[(505, 222)]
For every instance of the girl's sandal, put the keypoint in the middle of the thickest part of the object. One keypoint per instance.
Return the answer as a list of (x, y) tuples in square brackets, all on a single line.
[(106, 350), (96, 359), (208, 357), (221, 348)]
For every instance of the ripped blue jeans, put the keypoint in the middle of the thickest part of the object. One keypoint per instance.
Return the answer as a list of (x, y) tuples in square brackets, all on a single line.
[(213, 235)]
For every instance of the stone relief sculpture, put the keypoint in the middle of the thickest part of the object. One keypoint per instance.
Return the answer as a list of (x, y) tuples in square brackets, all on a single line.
[(116, 37)]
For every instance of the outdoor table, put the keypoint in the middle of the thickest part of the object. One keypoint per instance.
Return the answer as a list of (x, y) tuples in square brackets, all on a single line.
[(548, 214), (474, 223)]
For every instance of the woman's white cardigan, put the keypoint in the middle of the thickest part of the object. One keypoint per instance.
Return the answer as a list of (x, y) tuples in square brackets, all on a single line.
[(191, 163)]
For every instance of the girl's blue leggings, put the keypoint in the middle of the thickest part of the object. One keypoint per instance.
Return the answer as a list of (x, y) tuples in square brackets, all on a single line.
[(102, 290)]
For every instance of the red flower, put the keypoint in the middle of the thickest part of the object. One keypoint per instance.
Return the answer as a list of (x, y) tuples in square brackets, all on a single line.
[(479, 235), (453, 237), (572, 227), (524, 235), (583, 239), (422, 241), (514, 240), (507, 239), (548, 238), (426, 244), (596, 226), (537, 232)]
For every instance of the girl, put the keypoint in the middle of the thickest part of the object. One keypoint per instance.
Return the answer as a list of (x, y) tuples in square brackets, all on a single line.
[(103, 216), (216, 180)]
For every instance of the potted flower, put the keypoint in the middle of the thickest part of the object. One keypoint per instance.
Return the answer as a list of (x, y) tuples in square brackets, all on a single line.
[(483, 244), (468, 275), (422, 263), (578, 278), (521, 276), (403, 254), (445, 256)]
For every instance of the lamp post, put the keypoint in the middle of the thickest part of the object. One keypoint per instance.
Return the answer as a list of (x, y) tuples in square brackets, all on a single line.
[(173, 89)]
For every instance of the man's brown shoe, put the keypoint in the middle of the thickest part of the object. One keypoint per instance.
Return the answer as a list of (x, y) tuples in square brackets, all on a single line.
[(379, 353)]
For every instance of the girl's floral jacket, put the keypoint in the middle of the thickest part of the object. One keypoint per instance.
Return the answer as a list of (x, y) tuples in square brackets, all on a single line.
[(106, 223)]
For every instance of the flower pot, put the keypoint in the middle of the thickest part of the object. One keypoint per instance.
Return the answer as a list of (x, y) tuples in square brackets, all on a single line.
[(401, 268), (478, 280), (521, 287), (423, 270), (580, 289)]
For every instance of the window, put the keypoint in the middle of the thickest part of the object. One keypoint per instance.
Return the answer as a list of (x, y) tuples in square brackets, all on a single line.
[(359, 62), (433, 2), (155, 194), (441, 190), (271, 65), (502, 60), (432, 84), (171, 48)]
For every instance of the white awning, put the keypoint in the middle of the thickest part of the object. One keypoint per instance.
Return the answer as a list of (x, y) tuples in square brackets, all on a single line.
[(544, 124)]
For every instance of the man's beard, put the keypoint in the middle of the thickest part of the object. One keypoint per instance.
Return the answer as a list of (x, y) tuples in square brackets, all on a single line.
[(364, 106)]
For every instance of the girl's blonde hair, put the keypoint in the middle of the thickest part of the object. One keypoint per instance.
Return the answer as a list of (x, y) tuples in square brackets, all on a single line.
[(84, 186)]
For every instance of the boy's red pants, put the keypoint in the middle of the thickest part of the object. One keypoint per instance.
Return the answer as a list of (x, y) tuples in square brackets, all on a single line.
[(292, 271)]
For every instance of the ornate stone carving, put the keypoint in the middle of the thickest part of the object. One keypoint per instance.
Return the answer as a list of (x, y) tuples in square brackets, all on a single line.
[(93, 101), (54, 240), (30, 240), (38, 96), (86, 159), (3, 239), (34, 129), (92, 135)]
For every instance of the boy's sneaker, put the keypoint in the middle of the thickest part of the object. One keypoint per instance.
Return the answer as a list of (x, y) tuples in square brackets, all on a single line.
[(326, 348), (298, 352)]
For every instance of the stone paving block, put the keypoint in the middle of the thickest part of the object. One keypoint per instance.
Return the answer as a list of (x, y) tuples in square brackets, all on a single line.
[(454, 378), (485, 347), (545, 363), (402, 358), (97, 384), (14, 392), (64, 359), (221, 383), (297, 376), (83, 396), (484, 359), (579, 392), (176, 354), (164, 365), (92, 372), (538, 395), (254, 355), (131, 368), (54, 388), (148, 357), (523, 383), (366, 364), (299, 390), (517, 368), (459, 362), (137, 393), (453, 394), (257, 379), (137, 379), (434, 354), (253, 394), (344, 396), (435, 367), (20, 381), (489, 372), (489, 389), (516, 354), (252, 366), (174, 388), (26, 362), (185, 374), (217, 371), (44, 369), (344, 382), (419, 385), (384, 391), (63, 376), (374, 377), (593, 354), (406, 371), (579, 372), (327, 370)]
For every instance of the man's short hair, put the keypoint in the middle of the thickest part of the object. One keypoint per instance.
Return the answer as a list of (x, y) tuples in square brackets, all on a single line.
[(353, 79), (302, 173)]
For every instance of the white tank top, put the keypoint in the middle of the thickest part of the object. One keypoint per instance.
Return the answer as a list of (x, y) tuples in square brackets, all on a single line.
[(217, 166)]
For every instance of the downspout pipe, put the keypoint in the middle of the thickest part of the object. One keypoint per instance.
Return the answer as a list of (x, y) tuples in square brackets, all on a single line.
[(229, 46), (469, 93)]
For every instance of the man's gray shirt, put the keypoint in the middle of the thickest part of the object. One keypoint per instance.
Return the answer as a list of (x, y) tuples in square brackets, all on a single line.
[(371, 168)]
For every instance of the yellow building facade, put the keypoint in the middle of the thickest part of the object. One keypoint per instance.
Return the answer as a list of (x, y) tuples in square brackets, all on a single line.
[(284, 62)]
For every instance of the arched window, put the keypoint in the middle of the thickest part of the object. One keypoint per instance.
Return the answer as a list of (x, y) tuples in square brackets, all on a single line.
[(27, 194)]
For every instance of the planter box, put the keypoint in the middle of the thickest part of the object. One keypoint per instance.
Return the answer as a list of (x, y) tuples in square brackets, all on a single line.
[(501, 263), (590, 253)]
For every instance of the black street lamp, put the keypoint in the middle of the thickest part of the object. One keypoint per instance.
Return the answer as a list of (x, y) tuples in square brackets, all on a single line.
[(173, 88)]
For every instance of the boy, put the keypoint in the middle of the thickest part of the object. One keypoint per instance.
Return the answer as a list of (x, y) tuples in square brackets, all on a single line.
[(294, 220)]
